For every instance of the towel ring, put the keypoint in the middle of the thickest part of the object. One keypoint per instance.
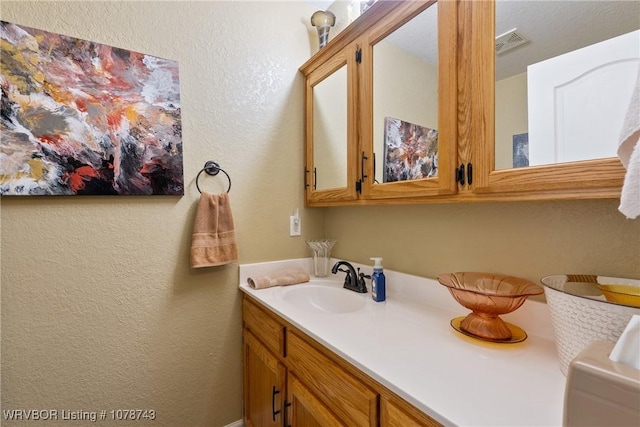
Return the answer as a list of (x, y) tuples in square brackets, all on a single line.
[(212, 168)]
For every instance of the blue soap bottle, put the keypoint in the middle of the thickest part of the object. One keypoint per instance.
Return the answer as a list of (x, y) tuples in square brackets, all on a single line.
[(378, 281)]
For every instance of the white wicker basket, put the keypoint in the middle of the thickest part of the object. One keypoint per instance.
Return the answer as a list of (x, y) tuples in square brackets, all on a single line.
[(578, 320)]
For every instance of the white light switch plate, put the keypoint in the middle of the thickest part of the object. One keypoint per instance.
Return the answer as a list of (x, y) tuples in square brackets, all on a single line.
[(294, 226)]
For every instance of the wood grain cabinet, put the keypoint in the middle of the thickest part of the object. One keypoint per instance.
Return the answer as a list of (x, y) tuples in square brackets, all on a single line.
[(445, 82), (264, 384), (297, 382), (345, 150)]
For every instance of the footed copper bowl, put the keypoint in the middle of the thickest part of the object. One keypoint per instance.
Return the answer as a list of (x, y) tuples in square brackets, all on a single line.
[(488, 296)]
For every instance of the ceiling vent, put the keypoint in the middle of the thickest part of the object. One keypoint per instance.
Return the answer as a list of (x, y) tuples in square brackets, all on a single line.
[(509, 40)]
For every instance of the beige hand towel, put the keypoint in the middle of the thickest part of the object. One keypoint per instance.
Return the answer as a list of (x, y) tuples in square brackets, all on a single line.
[(279, 278), (214, 239)]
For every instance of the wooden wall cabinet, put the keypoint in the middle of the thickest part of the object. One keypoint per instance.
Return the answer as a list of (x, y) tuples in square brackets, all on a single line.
[(600, 178), (291, 380), (466, 118)]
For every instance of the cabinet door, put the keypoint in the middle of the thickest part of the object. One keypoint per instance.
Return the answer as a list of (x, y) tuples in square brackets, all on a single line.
[(264, 381), (393, 415), (490, 135), (409, 100), (305, 409), (331, 134), (346, 396)]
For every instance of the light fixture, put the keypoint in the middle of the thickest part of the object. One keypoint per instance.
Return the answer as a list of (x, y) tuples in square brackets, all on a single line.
[(323, 20)]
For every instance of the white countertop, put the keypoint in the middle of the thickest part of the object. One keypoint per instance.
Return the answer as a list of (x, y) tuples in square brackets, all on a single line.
[(408, 345)]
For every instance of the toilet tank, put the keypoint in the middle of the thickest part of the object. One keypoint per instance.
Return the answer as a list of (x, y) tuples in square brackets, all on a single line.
[(600, 392)]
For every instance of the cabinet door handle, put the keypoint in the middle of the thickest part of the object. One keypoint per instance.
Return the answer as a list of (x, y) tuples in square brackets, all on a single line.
[(315, 178), (273, 403), (469, 173), (460, 174), (362, 167), (286, 407), (375, 181)]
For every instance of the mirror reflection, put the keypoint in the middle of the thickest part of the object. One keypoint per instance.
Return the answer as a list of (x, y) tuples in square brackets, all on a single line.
[(405, 101), (565, 71), (330, 131)]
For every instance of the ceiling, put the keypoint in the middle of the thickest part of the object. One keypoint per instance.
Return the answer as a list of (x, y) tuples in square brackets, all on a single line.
[(557, 27), (553, 27)]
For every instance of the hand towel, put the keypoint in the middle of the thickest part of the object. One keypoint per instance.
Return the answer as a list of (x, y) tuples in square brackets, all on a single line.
[(213, 241), (279, 278), (629, 154)]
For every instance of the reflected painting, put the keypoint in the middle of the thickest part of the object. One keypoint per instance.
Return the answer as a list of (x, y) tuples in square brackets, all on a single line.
[(521, 150), (410, 151), (83, 118)]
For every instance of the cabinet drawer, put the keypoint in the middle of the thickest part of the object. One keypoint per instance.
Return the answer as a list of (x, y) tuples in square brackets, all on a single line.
[(267, 328), (350, 399)]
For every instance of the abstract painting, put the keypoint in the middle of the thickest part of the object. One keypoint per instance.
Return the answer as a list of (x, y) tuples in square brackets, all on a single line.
[(521, 150), (410, 151), (84, 118)]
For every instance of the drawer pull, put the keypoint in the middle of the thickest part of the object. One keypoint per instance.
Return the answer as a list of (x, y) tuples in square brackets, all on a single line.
[(273, 403)]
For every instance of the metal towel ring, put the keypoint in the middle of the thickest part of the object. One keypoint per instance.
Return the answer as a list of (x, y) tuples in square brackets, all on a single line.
[(212, 168)]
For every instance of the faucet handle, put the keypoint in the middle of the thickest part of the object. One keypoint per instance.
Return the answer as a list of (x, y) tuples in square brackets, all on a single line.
[(362, 285), (362, 275)]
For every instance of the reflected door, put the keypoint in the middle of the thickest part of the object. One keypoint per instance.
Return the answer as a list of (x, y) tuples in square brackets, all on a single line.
[(578, 101)]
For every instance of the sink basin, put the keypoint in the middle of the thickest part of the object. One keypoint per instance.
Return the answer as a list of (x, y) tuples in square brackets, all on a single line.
[(324, 297)]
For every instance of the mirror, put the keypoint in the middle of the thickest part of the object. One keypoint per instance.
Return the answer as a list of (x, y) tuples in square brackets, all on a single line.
[(563, 80), (405, 100), (330, 131)]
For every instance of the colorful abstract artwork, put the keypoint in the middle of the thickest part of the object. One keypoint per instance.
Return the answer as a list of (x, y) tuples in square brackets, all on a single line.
[(83, 118), (410, 151)]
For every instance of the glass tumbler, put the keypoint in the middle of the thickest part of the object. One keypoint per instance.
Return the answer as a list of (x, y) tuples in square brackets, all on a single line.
[(321, 256)]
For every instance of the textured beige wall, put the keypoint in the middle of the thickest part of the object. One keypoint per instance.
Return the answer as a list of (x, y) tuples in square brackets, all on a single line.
[(526, 239), (99, 307)]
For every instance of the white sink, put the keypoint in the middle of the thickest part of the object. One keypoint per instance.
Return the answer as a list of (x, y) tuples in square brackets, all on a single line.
[(324, 297)]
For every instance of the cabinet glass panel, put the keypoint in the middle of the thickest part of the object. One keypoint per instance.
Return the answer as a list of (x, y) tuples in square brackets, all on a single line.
[(565, 72), (330, 131), (405, 101)]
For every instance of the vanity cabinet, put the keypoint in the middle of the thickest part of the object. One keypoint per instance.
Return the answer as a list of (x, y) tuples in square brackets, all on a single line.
[(459, 37), (292, 380)]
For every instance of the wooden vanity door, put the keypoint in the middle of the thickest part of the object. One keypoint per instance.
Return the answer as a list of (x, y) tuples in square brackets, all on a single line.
[(264, 382), (305, 409)]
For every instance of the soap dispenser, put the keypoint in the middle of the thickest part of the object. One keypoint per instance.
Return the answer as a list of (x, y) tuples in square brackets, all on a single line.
[(378, 285)]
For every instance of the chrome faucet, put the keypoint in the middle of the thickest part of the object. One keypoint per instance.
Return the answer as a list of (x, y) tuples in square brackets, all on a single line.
[(354, 281)]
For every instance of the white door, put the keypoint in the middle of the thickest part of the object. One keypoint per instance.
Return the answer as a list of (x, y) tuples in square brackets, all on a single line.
[(578, 101)]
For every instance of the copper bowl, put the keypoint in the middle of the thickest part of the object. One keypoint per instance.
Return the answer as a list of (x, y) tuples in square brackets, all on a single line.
[(488, 296)]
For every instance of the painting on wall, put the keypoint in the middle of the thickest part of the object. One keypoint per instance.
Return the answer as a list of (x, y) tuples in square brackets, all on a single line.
[(410, 151), (520, 150), (84, 118)]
